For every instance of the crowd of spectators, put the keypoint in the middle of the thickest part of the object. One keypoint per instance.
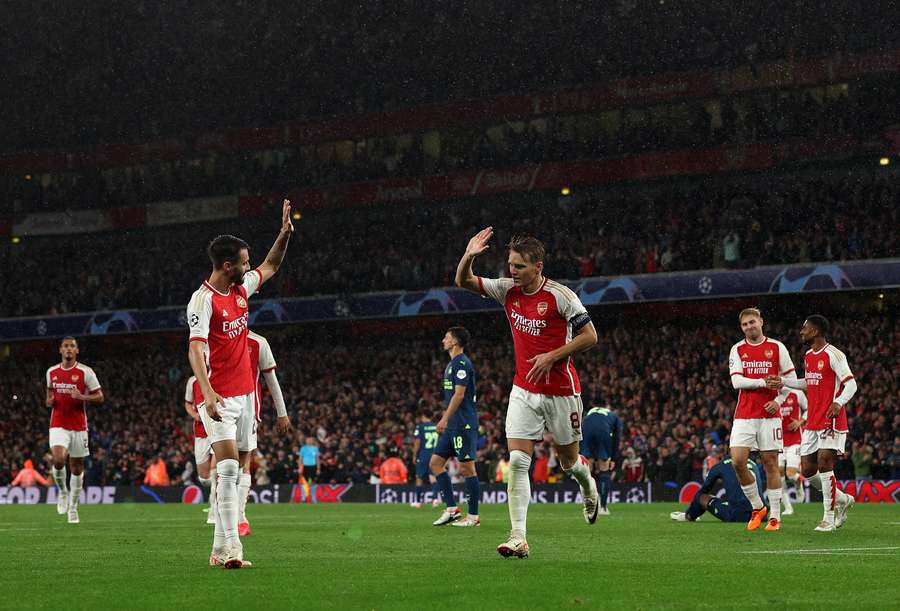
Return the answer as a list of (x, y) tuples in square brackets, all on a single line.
[(359, 398), (146, 70), (765, 116), (674, 226)]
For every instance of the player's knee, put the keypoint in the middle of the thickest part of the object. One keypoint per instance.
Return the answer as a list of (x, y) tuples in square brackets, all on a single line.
[(228, 468), (519, 461), (567, 461), (437, 464)]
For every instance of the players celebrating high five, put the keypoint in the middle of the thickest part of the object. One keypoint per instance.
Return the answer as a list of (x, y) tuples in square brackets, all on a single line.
[(218, 315), (829, 386), (757, 417), (549, 324)]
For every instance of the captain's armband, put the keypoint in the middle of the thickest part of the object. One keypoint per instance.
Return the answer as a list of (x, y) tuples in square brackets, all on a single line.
[(580, 320)]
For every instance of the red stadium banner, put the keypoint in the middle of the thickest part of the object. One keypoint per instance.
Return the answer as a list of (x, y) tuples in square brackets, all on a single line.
[(524, 179), (623, 92)]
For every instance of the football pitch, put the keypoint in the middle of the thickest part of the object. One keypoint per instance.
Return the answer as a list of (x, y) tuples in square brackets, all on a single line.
[(366, 556)]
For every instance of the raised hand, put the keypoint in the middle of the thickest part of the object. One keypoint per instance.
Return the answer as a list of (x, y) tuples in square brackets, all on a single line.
[(287, 226), (479, 243)]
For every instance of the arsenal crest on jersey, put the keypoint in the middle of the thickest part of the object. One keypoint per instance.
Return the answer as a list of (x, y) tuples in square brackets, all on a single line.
[(242, 303), (821, 365), (542, 308), (770, 354), (75, 378)]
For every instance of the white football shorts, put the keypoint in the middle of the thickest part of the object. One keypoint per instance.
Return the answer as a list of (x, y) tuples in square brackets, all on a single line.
[(763, 434), (826, 439), (530, 413), (238, 422), (790, 457), (75, 442)]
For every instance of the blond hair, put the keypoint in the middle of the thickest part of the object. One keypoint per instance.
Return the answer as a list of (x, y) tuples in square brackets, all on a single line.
[(749, 312)]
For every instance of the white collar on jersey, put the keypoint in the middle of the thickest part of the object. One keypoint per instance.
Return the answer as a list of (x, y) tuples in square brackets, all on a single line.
[(215, 290)]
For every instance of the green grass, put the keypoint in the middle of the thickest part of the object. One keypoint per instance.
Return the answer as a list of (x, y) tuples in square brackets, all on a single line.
[(357, 556)]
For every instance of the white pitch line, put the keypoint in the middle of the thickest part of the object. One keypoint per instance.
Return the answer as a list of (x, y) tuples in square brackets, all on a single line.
[(833, 550)]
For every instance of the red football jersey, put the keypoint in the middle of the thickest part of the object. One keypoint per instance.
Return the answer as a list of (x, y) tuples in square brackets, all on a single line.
[(68, 413), (826, 373), (194, 396), (540, 322), (261, 360), (221, 319), (756, 361), (793, 408)]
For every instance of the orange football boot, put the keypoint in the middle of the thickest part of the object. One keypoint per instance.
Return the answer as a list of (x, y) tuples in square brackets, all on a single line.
[(757, 517)]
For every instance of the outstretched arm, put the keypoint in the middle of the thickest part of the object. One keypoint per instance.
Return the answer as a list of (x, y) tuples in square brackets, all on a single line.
[(477, 245), (276, 253)]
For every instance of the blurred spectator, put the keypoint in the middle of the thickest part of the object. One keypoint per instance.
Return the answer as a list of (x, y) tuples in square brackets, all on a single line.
[(501, 473), (393, 471), (28, 476), (157, 473), (632, 466)]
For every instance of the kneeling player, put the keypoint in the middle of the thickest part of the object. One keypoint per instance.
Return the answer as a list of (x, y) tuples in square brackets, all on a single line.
[(458, 431), (601, 431), (735, 507)]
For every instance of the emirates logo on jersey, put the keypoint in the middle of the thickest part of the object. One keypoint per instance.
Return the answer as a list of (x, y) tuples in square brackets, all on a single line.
[(769, 353), (542, 308), (821, 365), (241, 302)]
